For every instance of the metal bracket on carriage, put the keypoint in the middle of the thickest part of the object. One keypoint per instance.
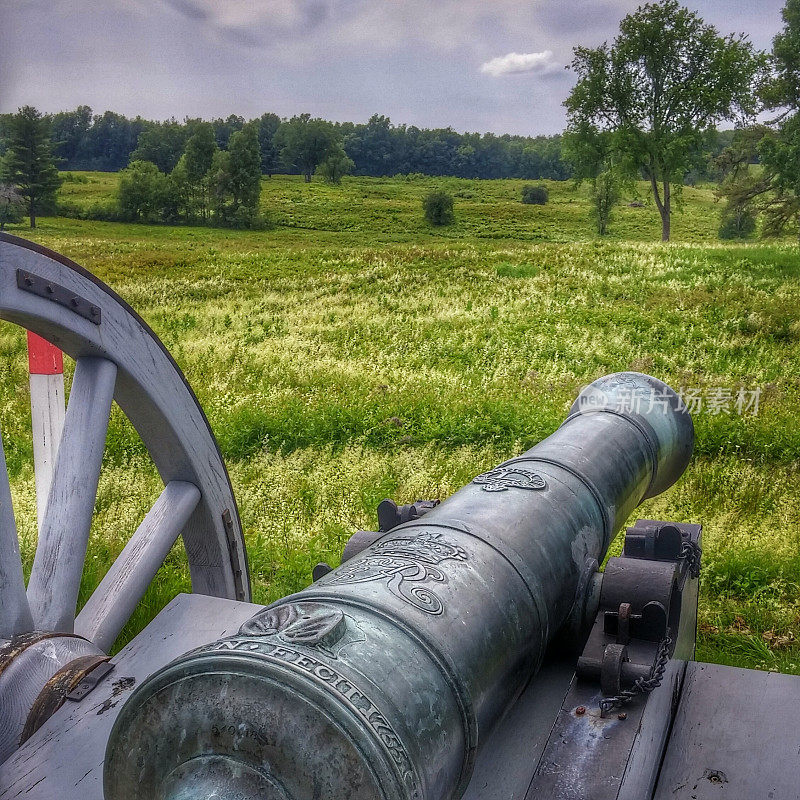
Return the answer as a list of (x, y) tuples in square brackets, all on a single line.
[(50, 290), (633, 663), (390, 515), (233, 551), (635, 630)]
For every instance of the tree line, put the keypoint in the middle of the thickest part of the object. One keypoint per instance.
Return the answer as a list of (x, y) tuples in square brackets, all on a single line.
[(646, 106), (109, 142)]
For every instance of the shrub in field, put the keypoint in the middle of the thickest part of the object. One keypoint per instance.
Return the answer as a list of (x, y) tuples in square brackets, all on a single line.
[(336, 165), (604, 195), (534, 195), (11, 206), (438, 207), (69, 177), (738, 222), (142, 187)]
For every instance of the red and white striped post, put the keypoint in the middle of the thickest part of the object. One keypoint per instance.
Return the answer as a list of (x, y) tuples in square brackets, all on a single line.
[(46, 368)]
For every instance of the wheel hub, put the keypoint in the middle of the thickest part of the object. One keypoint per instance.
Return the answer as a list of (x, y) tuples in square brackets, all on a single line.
[(37, 671)]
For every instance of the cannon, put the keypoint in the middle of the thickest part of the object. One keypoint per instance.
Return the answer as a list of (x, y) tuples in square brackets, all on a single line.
[(469, 648)]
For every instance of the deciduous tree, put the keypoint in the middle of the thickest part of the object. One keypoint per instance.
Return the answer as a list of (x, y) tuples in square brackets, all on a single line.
[(304, 142), (667, 79), (268, 126), (780, 149), (196, 161), (141, 191), (245, 169), (335, 165), (774, 188)]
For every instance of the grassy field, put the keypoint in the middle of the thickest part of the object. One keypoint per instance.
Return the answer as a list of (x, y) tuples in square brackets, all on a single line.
[(354, 353)]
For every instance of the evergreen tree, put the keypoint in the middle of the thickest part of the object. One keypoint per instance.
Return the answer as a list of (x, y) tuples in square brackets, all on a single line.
[(28, 163)]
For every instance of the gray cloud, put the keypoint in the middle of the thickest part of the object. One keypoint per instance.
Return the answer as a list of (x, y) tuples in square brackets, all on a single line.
[(415, 60), (188, 9)]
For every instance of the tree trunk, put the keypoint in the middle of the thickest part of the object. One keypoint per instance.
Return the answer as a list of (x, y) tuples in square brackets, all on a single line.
[(307, 176), (664, 206), (666, 221), (33, 217)]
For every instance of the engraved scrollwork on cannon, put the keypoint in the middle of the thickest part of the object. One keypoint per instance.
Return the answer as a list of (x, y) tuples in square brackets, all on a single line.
[(504, 478), (405, 564), (298, 623), (316, 625)]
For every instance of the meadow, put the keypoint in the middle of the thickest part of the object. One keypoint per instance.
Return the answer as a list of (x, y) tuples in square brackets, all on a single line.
[(353, 352)]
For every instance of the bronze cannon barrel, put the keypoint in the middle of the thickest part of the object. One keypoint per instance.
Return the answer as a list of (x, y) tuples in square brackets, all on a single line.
[(382, 679)]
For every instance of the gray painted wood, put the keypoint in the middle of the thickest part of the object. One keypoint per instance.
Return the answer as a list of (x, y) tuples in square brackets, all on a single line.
[(110, 607), (152, 392), (15, 613), (661, 707), (505, 766), (591, 756), (47, 423), (736, 737), (63, 760), (58, 564)]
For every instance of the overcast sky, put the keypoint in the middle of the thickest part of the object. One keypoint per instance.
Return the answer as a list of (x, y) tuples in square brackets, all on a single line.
[(477, 65)]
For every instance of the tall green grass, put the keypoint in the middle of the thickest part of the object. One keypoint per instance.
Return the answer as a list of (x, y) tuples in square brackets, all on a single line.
[(355, 353)]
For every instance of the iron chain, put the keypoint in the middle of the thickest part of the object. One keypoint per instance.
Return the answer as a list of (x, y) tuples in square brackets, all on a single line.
[(642, 685), (691, 553)]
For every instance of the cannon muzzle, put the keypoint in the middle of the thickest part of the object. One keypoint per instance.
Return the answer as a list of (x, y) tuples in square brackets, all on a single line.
[(382, 679)]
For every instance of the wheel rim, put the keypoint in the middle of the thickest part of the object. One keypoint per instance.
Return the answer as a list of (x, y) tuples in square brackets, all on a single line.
[(117, 357)]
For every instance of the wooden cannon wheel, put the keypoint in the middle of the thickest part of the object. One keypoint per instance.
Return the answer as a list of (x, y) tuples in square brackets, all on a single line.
[(117, 357)]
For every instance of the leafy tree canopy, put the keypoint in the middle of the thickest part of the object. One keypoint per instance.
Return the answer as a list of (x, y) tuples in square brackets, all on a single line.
[(304, 142), (774, 190), (651, 96), (336, 165)]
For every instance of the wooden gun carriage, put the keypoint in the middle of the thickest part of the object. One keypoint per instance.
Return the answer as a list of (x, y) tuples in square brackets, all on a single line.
[(466, 649)]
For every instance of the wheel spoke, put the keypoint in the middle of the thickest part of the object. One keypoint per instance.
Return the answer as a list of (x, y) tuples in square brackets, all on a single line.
[(15, 614), (116, 598), (64, 533)]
